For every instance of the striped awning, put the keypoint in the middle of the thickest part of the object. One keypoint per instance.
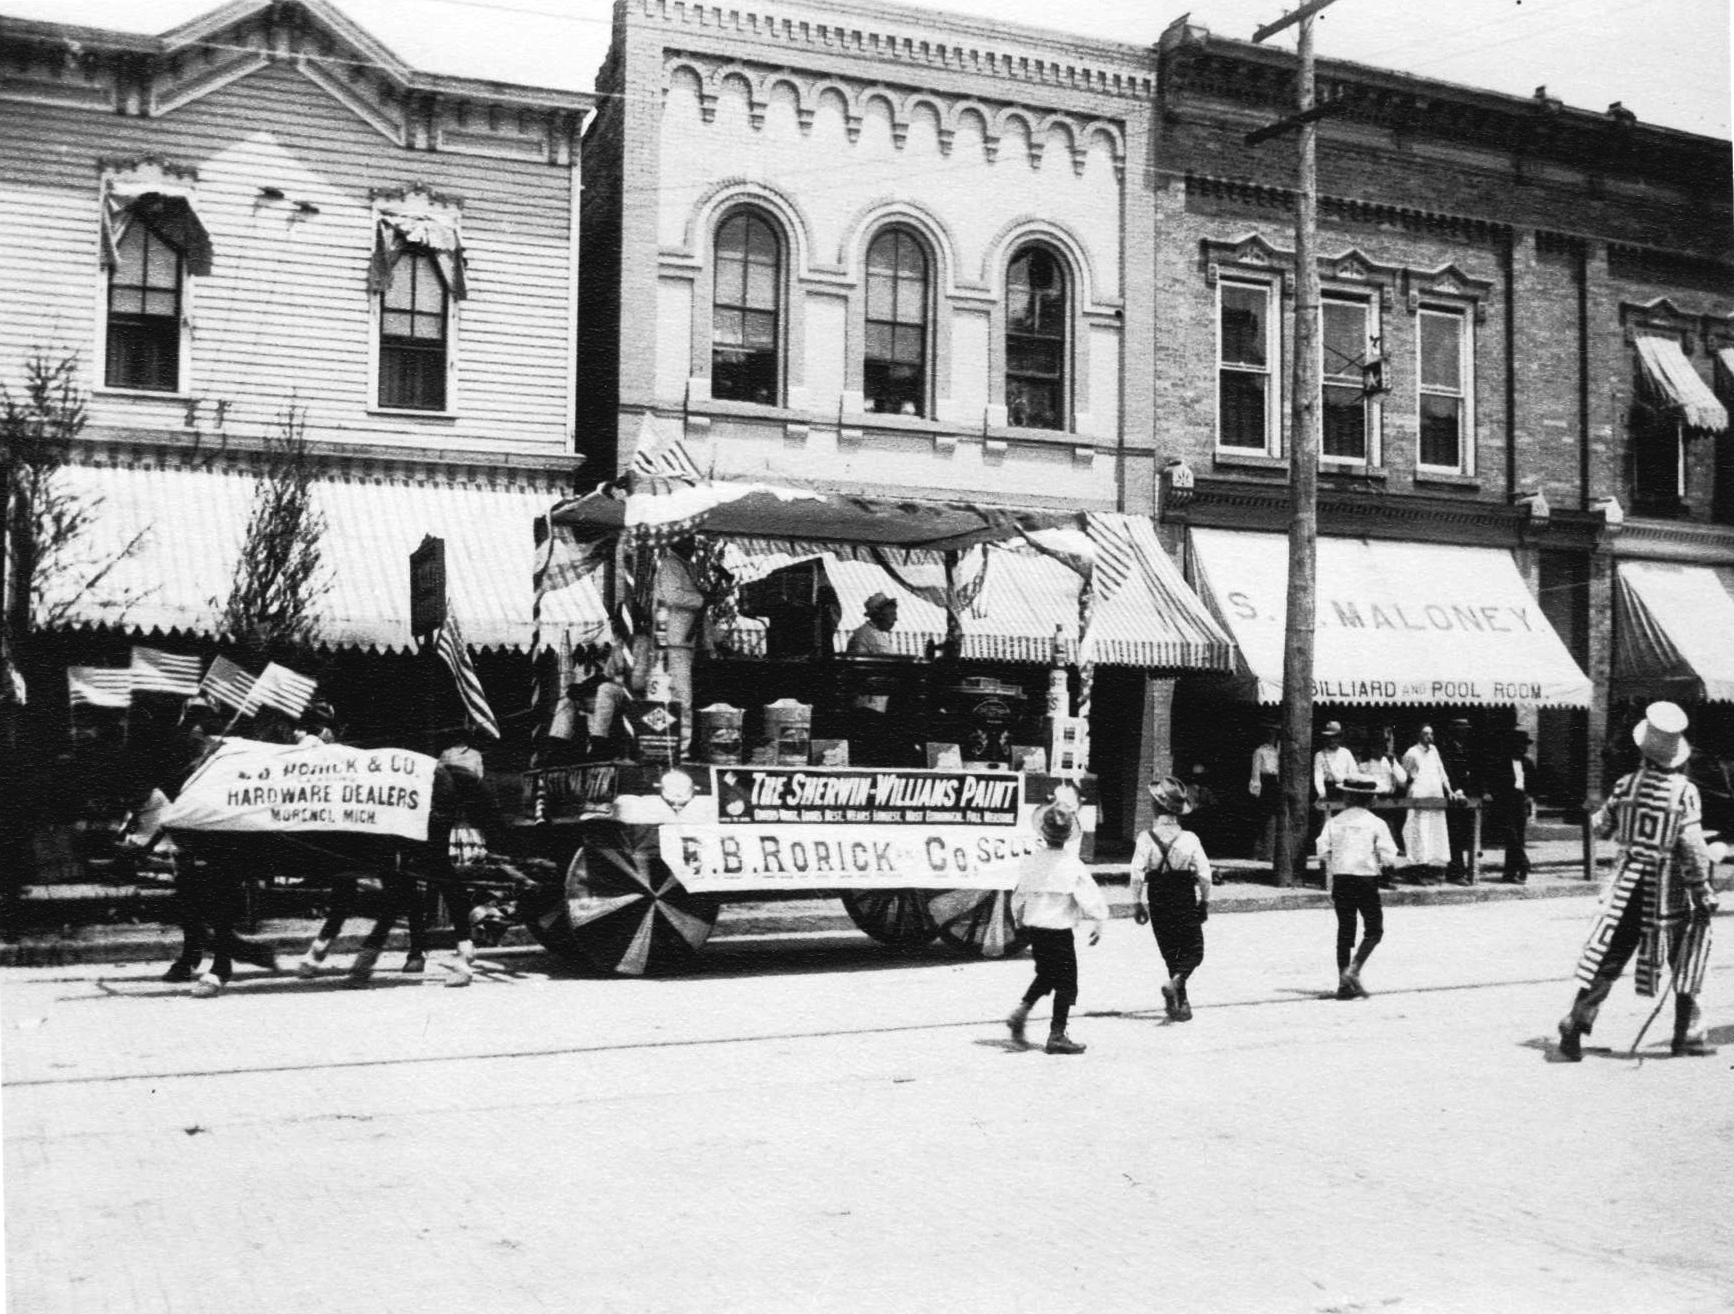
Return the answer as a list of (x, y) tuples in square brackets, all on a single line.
[(1679, 385), (189, 524), (1149, 619), (1674, 630)]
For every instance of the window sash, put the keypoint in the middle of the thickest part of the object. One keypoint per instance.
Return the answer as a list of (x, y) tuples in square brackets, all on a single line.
[(894, 347), (414, 319), (1246, 353), (1037, 300), (745, 339), (142, 348), (1349, 416), (1442, 389)]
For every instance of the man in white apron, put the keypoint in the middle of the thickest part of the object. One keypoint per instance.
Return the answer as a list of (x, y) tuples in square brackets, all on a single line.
[(1426, 836)]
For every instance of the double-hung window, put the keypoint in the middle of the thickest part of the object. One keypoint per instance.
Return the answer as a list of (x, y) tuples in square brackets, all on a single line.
[(894, 365), (413, 324), (1346, 342), (744, 332), (1247, 356), (1443, 390), (1037, 308), (144, 311)]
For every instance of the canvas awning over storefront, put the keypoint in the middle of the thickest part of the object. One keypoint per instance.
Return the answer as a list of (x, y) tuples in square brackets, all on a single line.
[(1679, 385), (190, 524), (1674, 630), (1415, 623), (1018, 597)]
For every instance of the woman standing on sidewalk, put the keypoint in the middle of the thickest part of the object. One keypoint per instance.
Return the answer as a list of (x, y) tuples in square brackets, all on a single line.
[(1171, 860)]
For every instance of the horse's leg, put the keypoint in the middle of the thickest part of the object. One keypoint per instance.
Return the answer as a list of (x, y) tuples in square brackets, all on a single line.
[(460, 903), (189, 912), (343, 892), (367, 957)]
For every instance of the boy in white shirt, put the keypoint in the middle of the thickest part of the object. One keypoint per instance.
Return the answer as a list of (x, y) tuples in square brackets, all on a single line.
[(1356, 848), (1054, 893)]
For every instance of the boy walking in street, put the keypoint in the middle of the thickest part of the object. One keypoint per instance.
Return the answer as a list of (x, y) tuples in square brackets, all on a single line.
[(1054, 893), (1171, 861), (1356, 848)]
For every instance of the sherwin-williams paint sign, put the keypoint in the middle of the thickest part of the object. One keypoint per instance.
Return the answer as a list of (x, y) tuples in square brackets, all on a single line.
[(1395, 622), (249, 786)]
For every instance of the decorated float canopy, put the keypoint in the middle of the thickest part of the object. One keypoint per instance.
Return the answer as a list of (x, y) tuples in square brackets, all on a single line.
[(1007, 576), (1396, 622)]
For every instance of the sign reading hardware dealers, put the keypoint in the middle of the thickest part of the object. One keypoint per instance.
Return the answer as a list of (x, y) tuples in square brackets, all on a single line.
[(250, 786), (795, 829)]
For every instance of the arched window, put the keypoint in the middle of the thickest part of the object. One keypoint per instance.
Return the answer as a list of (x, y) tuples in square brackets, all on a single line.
[(144, 312), (1035, 340), (894, 364), (413, 335), (743, 334)]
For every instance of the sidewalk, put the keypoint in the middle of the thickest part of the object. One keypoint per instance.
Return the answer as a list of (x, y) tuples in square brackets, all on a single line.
[(117, 924)]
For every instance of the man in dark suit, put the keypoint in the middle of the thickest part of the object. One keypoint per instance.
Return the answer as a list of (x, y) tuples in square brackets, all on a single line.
[(1508, 785), (1459, 757)]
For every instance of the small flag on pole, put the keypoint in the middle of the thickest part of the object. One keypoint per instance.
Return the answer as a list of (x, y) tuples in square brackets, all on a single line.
[(226, 684), (164, 672), (279, 687), (99, 686), (453, 652)]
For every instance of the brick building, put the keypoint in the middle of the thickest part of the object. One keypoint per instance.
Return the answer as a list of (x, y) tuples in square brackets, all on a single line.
[(267, 213), (877, 249), (1525, 322)]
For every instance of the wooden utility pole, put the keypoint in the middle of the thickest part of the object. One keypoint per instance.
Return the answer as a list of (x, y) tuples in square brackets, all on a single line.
[(1297, 666)]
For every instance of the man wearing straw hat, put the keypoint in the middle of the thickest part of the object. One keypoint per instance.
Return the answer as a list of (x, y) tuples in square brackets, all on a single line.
[(1660, 893)]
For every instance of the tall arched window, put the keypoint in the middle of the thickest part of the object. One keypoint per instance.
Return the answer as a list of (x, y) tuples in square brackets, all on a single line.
[(894, 364), (412, 335), (144, 312), (743, 334), (1035, 340)]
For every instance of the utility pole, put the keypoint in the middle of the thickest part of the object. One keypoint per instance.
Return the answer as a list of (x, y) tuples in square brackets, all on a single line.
[(1297, 665)]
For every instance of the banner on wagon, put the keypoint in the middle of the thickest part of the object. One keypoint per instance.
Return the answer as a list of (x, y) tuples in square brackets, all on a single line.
[(806, 857), (756, 796), (248, 786)]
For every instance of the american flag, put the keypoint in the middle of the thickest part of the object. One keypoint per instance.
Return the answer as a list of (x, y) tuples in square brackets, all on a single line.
[(226, 684), (1115, 556), (666, 459), (164, 672), (99, 686), (449, 644), (283, 689)]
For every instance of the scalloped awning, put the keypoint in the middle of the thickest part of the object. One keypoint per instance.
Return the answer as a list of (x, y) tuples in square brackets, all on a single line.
[(1679, 385), (190, 524)]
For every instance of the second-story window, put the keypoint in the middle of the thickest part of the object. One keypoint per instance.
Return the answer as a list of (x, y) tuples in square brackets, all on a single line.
[(413, 335), (1346, 340), (744, 339), (144, 312), (894, 363), (1246, 391), (1035, 341), (1443, 390)]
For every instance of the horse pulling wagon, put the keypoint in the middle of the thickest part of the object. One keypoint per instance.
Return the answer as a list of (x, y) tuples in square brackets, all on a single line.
[(918, 848)]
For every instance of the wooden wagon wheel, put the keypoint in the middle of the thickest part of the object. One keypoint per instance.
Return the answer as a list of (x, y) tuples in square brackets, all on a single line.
[(626, 911), (976, 921), (893, 917)]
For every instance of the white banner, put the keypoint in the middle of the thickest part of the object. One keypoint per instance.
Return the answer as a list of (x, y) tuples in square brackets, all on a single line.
[(808, 857), (249, 786)]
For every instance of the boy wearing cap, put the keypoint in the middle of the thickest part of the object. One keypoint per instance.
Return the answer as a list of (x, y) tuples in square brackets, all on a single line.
[(1054, 893), (1660, 894), (1171, 861), (1356, 848)]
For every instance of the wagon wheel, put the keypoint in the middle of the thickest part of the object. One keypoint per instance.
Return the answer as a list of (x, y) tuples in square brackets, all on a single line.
[(977, 921), (893, 917), (625, 910)]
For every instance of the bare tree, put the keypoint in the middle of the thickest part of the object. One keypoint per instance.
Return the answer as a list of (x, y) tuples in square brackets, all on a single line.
[(270, 609)]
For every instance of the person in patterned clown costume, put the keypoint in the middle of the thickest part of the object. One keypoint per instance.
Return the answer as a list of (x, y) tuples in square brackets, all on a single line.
[(1660, 897)]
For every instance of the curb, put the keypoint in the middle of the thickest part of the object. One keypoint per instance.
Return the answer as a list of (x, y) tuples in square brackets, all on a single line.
[(289, 937)]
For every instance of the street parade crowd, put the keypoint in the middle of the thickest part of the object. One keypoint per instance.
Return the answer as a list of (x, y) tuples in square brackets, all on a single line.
[(1658, 905)]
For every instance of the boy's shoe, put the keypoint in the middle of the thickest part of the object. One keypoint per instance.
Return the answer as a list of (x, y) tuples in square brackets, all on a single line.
[(1351, 981), (1343, 992), (1064, 1044), (1170, 1001), (1184, 1012), (1015, 1024)]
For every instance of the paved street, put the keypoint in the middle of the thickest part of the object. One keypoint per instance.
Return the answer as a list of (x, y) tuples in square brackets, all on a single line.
[(811, 1124)]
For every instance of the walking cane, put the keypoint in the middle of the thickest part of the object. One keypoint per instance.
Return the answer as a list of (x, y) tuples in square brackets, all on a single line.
[(1699, 921)]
